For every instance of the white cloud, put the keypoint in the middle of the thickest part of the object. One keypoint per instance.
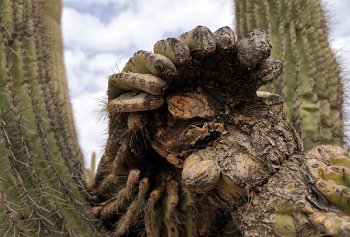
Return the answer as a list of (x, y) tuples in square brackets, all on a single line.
[(91, 132), (341, 47), (339, 39), (338, 12), (120, 2), (141, 24)]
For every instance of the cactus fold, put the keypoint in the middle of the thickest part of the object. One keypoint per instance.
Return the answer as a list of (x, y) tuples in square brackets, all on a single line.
[(311, 82), (42, 184)]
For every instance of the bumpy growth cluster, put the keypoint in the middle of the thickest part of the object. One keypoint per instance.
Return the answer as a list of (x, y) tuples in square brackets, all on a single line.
[(309, 196), (190, 138)]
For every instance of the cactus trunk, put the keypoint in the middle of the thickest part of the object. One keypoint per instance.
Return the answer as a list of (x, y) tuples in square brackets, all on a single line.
[(42, 186), (311, 83)]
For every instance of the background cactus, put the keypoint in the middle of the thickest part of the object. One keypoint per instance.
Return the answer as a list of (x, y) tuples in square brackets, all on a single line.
[(42, 185), (310, 83)]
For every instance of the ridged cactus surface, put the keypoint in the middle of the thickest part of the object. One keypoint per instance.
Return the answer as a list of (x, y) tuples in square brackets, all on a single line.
[(310, 83), (42, 187)]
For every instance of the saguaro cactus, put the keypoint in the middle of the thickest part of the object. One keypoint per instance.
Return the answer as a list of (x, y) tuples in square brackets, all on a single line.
[(42, 187), (311, 83), (227, 140)]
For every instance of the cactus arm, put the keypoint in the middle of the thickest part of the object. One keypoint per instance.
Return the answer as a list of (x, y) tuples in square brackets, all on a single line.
[(52, 18), (55, 91), (43, 191), (311, 83)]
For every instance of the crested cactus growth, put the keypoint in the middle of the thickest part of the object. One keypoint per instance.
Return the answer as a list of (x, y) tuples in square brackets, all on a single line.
[(177, 168), (42, 185), (213, 145), (311, 83)]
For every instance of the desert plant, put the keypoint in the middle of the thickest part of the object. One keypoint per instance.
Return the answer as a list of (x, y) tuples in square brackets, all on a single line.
[(190, 126), (310, 83), (42, 186), (212, 149)]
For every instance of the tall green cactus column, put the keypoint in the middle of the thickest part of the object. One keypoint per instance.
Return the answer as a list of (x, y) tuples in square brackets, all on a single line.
[(42, 187), (311, 83)]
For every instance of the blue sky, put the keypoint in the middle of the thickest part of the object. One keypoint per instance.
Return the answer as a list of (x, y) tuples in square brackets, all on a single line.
[(100, 34)]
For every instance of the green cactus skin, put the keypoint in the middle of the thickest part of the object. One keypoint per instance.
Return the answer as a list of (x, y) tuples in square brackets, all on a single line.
[(42, 185), (311, 83)]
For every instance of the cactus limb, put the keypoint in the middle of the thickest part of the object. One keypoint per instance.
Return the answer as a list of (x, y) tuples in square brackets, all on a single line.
[(225, 38), (132, 102), (200, 175), (32, 162), (171, 197), (148, 63), (118, 174), (153, 211), (119, 83), (131, 215), (191, 223), (174, 49), (119, 202), (187, 198), (253, 49), (155, 219), (200, 41)]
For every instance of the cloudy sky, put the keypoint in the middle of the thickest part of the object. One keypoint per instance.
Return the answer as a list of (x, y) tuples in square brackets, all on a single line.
[(100, 34)]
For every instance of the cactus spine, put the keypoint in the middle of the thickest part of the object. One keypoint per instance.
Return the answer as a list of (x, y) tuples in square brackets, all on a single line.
[(311, 83), (42, 187)]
